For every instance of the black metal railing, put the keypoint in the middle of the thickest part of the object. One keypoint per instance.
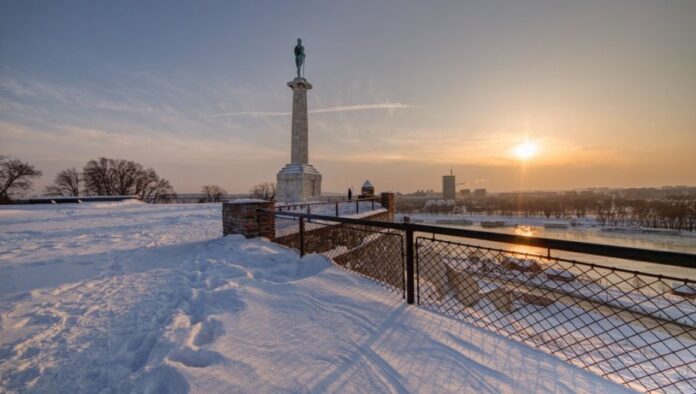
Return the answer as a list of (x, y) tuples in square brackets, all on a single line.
[(368, 250), (336, 208), (634, 327)]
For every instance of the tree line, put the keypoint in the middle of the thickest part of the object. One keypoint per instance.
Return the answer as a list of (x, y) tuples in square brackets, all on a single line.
[(676, 212), (112, 177), (670, 213), (107, 177), (262, 191), (99, 177)]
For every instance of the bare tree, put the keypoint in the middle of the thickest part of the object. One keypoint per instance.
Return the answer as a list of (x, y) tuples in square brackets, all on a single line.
[(124, 175), (108, 177), (212, 193), (16, 177), (67, 183), (160, 191), (97, 177), (264, 191)]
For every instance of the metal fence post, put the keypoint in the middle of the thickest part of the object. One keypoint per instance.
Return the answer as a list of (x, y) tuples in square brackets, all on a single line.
[(336, 208), (410, 271), (301, 236), (357, 205), (373, 204)]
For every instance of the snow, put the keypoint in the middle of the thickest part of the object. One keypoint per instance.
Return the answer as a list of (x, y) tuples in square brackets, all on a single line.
[(559, 273), (121, 297), (607, 339), (684, 288), (363, 215)]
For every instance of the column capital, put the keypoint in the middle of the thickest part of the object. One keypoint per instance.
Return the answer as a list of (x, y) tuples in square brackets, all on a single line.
[(299, 83)]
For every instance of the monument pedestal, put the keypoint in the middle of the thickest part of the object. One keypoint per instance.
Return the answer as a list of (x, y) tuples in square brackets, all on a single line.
[(298, 182)]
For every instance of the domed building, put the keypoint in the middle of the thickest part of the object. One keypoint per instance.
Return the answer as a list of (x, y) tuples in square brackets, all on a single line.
[(367, 190)]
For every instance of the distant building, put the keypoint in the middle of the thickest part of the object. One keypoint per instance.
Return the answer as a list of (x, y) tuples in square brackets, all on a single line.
[(367, 190), (465, 193), (480, 193), (448, 187)]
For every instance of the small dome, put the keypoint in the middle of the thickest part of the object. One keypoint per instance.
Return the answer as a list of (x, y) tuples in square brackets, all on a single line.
[(367, 184)]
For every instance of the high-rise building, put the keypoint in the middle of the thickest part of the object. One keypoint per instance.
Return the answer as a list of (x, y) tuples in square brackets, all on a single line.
[(448, 187)]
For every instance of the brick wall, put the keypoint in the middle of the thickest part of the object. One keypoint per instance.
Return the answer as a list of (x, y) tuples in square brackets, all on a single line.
[(388, 203), (242, 218), (321, 239)]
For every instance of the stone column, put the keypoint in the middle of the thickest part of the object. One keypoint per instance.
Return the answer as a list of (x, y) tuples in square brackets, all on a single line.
[(300, 135), (299, 180)]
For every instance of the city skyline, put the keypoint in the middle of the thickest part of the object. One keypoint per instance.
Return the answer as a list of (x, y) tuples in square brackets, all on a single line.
[(601, 95)]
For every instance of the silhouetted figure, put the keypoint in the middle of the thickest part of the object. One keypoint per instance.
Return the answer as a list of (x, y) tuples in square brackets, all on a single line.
[(350, 194)]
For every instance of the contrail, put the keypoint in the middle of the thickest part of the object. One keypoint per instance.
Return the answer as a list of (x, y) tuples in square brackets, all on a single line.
[(342, 108)]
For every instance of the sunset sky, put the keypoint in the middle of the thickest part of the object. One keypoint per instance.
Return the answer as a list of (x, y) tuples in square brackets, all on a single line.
[(403, 91)]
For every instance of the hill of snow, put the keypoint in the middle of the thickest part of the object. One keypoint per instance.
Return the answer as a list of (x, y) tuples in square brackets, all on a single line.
[(125, 297)]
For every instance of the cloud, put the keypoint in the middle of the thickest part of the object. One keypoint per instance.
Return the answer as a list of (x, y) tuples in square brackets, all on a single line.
[(70, 141), (341, 108), (25, 88)]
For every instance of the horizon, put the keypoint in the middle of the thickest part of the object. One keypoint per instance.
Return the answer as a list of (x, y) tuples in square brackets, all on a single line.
[(537, 96)]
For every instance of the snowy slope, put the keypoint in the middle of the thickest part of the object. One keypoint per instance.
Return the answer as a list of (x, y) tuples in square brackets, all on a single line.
[(128, 297)]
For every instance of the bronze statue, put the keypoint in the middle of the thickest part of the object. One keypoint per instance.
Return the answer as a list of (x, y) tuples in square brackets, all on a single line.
[(299, 56)]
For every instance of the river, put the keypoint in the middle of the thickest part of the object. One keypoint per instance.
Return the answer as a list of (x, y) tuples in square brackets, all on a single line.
[(533, 227)]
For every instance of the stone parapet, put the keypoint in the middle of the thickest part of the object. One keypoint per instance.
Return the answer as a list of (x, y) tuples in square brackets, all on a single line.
[(242, 217)]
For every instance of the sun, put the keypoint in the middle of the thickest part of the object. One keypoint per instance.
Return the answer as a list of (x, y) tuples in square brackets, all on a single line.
[(525, 150)]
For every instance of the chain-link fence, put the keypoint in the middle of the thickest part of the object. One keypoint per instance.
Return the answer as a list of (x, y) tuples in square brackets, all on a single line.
[(635, 328), (370, 251)]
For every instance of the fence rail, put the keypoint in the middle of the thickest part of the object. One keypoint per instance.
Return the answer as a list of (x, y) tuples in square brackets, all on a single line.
[(636, 328), (336, 207), (366, 249)]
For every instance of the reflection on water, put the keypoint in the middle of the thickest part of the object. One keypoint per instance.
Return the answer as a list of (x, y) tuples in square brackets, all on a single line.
[(682, 243), (525, 231)]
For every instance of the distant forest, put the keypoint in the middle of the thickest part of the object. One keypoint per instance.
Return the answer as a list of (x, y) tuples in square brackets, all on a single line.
[(677, 211)]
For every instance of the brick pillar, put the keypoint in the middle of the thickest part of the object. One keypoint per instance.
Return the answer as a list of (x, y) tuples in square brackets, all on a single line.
[(388, 203), (241, 217)]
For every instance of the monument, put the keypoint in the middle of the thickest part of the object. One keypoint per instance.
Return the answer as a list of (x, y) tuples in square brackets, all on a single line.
[(299, 180)]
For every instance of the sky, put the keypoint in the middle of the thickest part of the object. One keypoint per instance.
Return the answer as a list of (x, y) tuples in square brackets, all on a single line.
[(403, 91)]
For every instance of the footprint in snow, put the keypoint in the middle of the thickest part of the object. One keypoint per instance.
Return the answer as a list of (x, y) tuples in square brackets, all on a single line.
[(205, 332), (195, 358)]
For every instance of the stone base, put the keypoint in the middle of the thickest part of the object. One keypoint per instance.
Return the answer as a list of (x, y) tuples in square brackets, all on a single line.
[(298, 182)]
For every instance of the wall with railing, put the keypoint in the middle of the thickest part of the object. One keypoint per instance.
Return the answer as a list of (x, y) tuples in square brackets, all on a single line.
[(634, 327), (333, 208)]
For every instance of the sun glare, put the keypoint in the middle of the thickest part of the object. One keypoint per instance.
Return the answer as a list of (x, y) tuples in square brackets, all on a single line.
[(525, 150)]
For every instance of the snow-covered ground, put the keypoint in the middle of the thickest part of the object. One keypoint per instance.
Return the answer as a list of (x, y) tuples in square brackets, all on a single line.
[(127, 297)]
